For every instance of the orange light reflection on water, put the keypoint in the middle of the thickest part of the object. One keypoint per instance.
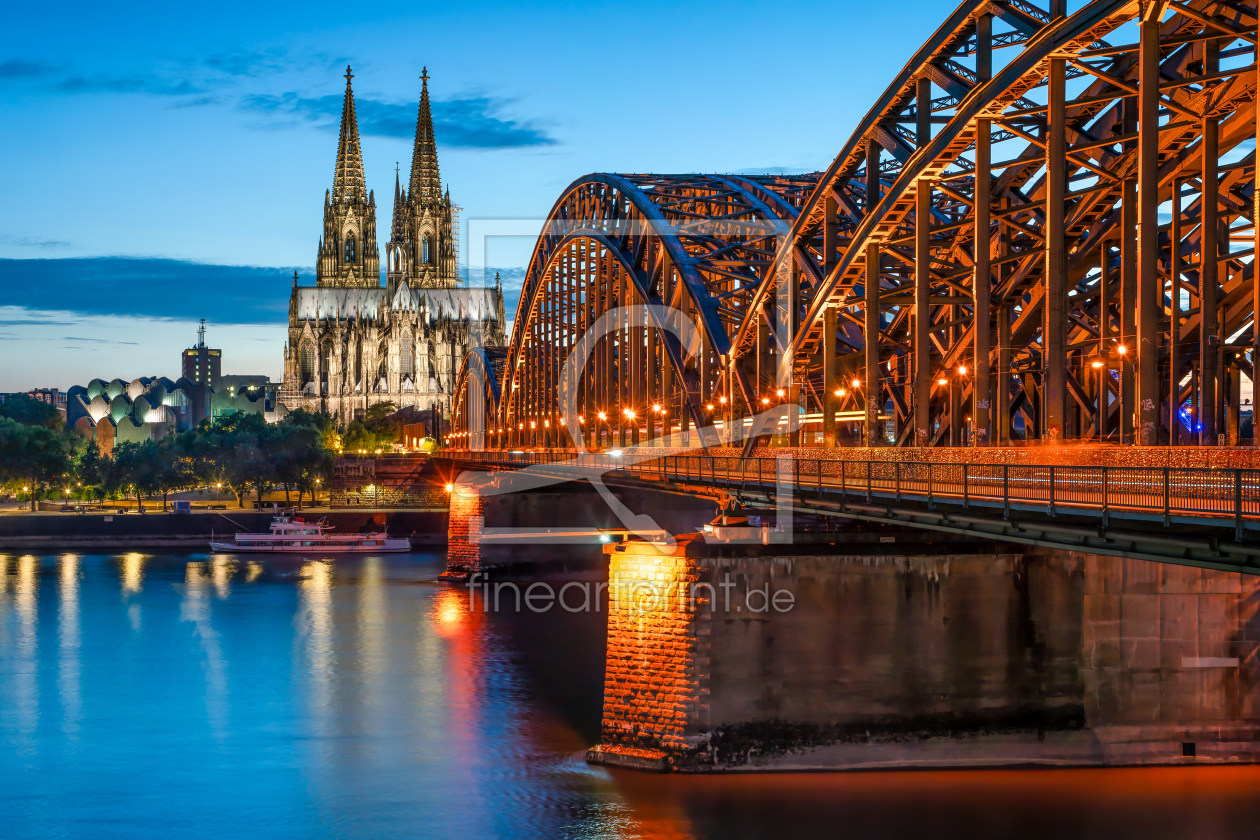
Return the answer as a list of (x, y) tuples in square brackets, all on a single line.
[(450, 614)]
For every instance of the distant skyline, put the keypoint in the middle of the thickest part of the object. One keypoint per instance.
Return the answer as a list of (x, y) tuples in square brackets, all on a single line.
[(204, 139)]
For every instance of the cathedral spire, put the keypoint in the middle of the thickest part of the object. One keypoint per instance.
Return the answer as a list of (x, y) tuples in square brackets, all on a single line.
[(348, 181), (398, 225), (426, 183)]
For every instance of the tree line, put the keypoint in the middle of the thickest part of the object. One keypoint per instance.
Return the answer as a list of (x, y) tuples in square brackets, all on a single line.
[(240, 452)]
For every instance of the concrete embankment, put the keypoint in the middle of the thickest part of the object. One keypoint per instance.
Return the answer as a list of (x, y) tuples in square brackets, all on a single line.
[(98, 531)]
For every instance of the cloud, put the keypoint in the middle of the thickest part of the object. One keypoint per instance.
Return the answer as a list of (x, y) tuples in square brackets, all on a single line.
[(124, 84), (16, 68), (122, 346), (258, 62), (512, 279), (474, 122), (57, 79), (251, 62), (151, 288), (197, 103), (32, 242), (98, 340), (471, 122), (35, 323)]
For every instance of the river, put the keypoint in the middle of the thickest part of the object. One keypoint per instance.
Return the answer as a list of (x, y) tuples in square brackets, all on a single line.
[(194, 696)]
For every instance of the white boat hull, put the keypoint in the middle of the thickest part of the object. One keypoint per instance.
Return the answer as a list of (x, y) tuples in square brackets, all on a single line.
[(308, 546)]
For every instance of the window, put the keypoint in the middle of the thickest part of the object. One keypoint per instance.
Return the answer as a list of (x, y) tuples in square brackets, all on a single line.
[(424, 249), (350, 249), (306, 361), (404, 355)]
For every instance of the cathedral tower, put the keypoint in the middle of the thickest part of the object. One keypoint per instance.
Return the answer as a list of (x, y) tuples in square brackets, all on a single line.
[(422, 243), (348, 254), (354, 343)]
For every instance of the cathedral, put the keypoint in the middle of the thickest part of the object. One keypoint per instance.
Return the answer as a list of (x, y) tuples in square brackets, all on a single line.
[(354, 343)]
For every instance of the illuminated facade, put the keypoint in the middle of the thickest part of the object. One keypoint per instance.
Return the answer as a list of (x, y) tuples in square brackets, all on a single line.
[(353, 342)]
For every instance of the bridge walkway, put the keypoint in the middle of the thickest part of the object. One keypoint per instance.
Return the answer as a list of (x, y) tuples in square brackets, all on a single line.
[(1194, 516)]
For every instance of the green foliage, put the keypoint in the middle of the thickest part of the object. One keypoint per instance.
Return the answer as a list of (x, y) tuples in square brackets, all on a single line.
[(240, 451), (31, 412), (134, 469), (381, 411), (88, 467), (247, 455), (32, 456), (377, 430)]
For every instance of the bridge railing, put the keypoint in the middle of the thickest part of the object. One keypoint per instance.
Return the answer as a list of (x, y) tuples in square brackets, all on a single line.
[(1217, 494)]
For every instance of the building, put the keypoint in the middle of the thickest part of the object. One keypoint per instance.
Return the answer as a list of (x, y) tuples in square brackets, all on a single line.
[(255, 394), (147, 408), (202, 364), (353, 342), (53, 396), (151, 407)]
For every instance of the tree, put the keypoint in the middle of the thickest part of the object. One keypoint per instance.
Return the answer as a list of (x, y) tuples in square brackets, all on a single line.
[(175, 471), (31, 456), (135, 467), (32, 412), (227, 451), (87, 470), (379, 412), (301, 460), (377, 430)]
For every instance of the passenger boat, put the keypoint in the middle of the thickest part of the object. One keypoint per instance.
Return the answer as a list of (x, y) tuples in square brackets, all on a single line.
[(295, 534)]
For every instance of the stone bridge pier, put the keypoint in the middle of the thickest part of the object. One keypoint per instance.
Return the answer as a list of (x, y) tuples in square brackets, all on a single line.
[(553, 527), (880, 660)]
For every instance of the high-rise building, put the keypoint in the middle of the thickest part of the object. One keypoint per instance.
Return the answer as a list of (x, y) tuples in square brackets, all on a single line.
[(201, 364), (354, 343)]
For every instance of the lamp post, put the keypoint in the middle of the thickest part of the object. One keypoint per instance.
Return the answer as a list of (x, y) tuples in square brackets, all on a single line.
[(943, 381), (962, 427), (839, 392), (1122, 352), (1098, 365)]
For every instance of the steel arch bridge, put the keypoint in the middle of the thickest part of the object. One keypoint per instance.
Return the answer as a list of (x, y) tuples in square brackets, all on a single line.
[(1042, 230)]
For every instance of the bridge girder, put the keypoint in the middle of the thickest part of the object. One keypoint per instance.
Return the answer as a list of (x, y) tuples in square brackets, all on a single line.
[(1034, 147), (698, 244), (1049, 144)]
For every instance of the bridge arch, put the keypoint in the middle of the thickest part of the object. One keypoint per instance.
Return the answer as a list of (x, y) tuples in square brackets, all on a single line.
[(1043, 229), (476, 403), (1048, 147), (699, 244)]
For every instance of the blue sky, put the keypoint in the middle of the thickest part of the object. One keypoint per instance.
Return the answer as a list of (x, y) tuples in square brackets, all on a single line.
[(168, 163)]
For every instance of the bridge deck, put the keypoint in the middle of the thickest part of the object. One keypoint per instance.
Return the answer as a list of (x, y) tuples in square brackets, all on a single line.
[(1059, 506)]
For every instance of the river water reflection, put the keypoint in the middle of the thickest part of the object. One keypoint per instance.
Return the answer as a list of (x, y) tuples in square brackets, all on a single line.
[(172, 696)]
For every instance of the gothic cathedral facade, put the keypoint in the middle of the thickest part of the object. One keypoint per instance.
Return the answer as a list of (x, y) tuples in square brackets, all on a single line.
[(354, 343)]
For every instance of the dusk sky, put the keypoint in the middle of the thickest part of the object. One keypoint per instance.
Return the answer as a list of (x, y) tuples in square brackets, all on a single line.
[(196, 143)]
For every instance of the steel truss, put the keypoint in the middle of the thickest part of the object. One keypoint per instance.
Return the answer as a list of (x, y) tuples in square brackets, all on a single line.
[(1045, 170), (700, 245)]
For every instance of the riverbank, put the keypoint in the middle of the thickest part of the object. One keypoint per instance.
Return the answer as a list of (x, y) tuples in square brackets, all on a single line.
[(103, 531)]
